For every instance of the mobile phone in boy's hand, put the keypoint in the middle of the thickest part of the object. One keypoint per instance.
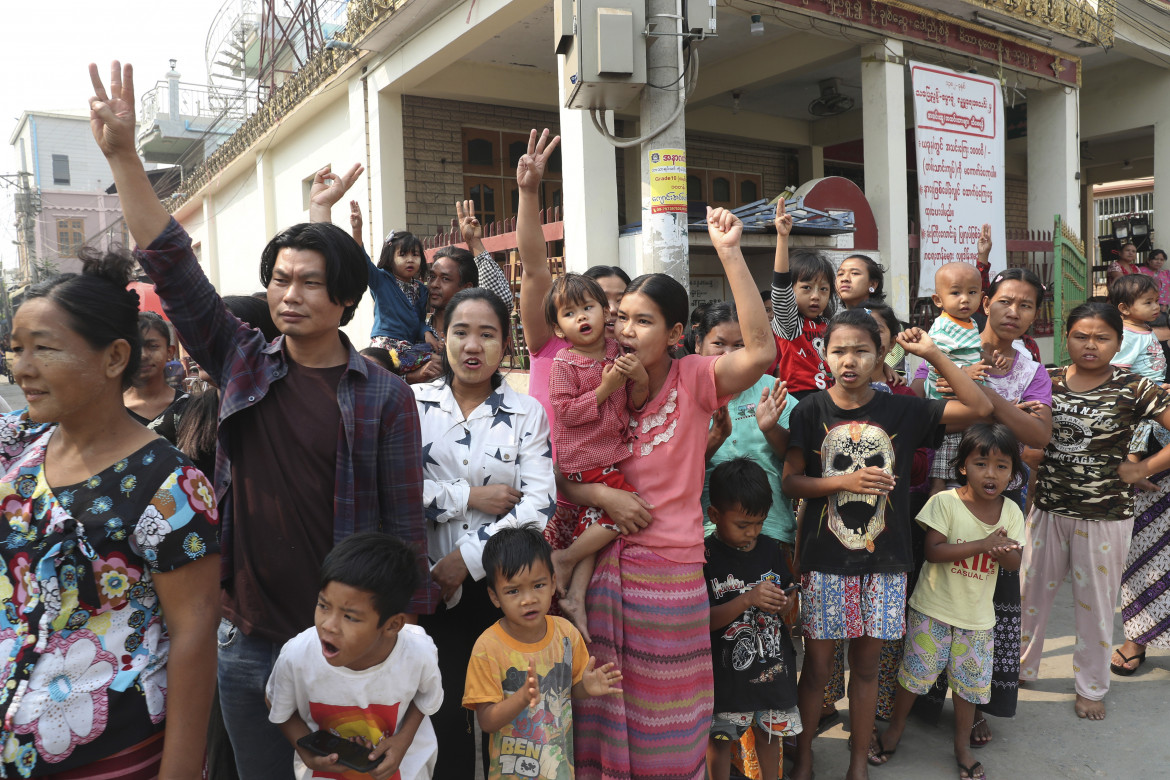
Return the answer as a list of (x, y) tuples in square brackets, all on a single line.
[(351, 754), (793, 588)]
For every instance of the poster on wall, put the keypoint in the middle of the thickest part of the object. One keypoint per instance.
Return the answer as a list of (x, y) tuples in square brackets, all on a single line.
[(668, 181), (959, 135), (707, 288)]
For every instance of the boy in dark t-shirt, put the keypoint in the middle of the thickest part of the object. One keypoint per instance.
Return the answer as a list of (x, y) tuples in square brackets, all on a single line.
[(748, 583)]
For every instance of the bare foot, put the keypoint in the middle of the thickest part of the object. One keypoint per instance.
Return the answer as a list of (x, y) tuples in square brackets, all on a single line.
[(573, 607), (563, 573), (980, 732), (801, 770), (1093, 710), (860, 772)]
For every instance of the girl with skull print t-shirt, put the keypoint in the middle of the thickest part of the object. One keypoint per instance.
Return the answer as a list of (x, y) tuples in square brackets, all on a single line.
[(852, 534)]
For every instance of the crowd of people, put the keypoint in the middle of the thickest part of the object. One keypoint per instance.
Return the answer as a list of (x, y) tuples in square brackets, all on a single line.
[(318, 560)]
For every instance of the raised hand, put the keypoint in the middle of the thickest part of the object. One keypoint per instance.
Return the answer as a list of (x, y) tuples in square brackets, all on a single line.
[(783, 220), (355, 221), (983, 248), (531, 166), (469, 226), (725, 228), (111, 114), (328, 187), (772, 402), (601, 681), (916, 341)]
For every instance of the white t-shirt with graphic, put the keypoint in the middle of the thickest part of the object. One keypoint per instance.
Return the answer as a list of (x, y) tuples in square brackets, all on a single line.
[(370, 703)]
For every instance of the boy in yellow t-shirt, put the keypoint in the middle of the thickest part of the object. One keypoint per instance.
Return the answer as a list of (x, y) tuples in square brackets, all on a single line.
[(971, 532), (526, 669)]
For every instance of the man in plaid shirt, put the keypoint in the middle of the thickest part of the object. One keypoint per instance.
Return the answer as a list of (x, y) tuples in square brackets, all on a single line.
[(315, 443)]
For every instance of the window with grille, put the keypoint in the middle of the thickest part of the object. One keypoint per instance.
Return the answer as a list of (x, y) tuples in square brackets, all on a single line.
[(489, 173)]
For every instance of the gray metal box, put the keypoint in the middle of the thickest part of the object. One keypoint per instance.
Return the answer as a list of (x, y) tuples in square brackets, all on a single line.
[(605, 63), (700, 17)]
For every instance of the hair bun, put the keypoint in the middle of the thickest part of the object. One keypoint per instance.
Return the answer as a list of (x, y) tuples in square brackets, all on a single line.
[(116, 265)]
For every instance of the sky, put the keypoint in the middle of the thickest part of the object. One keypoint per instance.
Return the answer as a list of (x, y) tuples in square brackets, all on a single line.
[(50, 45)]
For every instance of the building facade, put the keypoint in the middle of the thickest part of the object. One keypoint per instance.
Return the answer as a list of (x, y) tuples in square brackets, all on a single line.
[(435, 97), (62, 203)]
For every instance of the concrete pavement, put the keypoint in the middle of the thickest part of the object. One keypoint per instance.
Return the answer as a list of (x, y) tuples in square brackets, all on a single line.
[(1046, 740)]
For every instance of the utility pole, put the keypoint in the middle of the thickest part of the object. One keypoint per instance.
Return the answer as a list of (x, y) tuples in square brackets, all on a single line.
[(664, 168), (27, 206)]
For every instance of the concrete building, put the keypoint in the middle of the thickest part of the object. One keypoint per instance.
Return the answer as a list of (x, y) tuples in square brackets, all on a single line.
[(62, 203), (437, 95)]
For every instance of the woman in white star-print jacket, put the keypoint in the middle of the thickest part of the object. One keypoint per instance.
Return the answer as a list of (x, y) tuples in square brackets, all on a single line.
[(487, 464)]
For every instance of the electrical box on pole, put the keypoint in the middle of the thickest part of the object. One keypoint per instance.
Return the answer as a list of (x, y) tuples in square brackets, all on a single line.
[(604, 43), (700, 17)]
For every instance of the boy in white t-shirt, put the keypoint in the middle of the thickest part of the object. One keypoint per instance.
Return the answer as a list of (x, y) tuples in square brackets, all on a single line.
[(361, 672)]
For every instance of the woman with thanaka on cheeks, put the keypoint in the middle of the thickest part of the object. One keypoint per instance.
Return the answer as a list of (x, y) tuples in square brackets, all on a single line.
[(850, 452), (1082, 517), (1021, 393), (487, 465), (647, 604), (113, 548)]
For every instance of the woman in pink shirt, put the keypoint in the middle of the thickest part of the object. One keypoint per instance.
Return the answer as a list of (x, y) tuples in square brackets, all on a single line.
[(647, 604)]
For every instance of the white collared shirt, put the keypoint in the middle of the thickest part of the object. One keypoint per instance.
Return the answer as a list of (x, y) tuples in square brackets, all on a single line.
[(504, 441)]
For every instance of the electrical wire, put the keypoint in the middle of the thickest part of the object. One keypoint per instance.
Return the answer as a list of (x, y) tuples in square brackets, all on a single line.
[(626, 143)]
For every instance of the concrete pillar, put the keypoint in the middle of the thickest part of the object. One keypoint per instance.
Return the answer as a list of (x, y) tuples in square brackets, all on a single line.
[(589, 184), (1054, 158), (883, 107), (211, 242), (386, 166), (266, 190), (810, 161), (1161, 216)]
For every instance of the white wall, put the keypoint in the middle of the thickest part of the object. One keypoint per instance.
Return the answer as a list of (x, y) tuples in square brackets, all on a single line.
[(246, 213), (88, 170)]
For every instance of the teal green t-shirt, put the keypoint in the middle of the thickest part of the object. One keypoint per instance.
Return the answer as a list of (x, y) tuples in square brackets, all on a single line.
[(746, 440)]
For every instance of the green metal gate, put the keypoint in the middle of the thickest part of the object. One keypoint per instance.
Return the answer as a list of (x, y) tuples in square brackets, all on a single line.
[(1070, 275)]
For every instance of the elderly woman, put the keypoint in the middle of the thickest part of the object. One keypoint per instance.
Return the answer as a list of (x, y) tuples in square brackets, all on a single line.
[(110, 564)]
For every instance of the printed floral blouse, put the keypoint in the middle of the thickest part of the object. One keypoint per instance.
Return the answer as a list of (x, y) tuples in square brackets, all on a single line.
[(83, 640)]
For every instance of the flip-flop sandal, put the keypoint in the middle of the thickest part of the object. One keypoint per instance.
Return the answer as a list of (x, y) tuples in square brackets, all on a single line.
[(827, 721), (970, 770), (1124, 671), (874, 756), (977, 745)]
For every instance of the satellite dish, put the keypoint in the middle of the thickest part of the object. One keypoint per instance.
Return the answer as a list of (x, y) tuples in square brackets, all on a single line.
[(831, 102)]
